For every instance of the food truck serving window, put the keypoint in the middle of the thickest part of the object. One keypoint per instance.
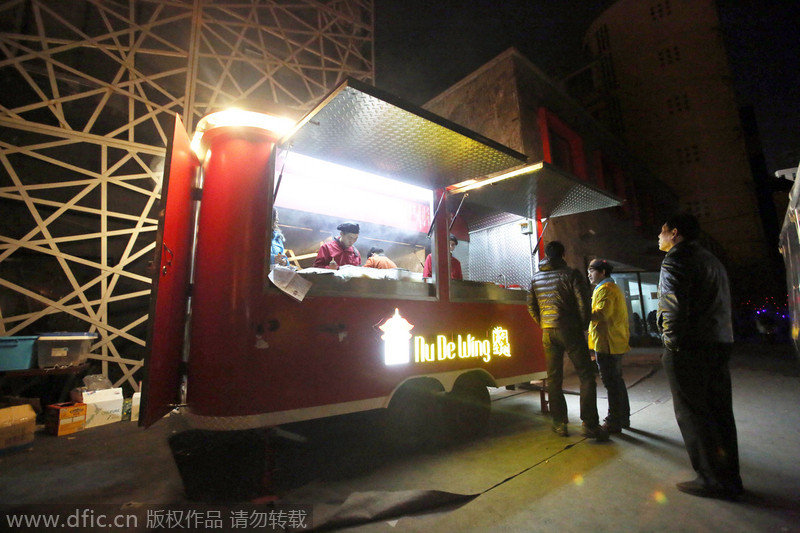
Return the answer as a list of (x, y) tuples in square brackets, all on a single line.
[(368, 158), (346, 161), (500, 211), (313, 198)]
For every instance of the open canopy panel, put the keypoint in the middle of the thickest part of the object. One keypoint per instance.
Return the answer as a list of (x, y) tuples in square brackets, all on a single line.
[(541, 186), (360, 127)]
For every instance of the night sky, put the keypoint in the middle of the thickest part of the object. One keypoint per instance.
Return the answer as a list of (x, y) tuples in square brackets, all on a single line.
[(424, 46)]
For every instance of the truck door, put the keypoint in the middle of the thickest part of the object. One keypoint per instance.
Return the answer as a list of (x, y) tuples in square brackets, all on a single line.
[(171, 279)]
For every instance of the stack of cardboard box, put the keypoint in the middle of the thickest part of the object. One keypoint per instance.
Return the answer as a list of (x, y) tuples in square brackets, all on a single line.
[(17, 424)]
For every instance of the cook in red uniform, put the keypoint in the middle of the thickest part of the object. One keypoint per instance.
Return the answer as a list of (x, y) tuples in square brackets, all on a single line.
[(340, 251), (455, 264)]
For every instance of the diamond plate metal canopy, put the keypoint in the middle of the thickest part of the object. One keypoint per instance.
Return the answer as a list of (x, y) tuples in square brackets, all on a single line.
[(360, 127), (554, 192)]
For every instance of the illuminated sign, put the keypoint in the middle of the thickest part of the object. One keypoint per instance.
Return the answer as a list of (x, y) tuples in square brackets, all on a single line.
[(462, 347), (395, 338), (443, 348)]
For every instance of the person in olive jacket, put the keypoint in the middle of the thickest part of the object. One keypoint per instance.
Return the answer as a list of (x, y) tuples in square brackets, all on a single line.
[(559, 302), (694, 319), (609, 334)]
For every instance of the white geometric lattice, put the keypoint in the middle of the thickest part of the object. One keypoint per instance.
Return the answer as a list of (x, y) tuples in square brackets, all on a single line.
[(88, 91)]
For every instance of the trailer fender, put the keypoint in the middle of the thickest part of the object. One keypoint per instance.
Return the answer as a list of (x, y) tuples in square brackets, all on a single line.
[(447, 380)]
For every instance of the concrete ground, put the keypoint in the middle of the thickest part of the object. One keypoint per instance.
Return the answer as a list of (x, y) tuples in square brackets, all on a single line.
[(519, 476)]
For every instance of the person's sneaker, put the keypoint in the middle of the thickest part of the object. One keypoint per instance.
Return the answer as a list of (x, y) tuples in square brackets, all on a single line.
[(612, 428), (594, 432), (561, 430)]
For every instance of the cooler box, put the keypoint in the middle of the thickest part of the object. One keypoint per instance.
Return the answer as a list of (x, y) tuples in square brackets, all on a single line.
[(63, 349), (16, 353)]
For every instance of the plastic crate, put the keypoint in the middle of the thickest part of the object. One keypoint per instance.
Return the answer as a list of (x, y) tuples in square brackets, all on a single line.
[(63, 349), (16, 353)]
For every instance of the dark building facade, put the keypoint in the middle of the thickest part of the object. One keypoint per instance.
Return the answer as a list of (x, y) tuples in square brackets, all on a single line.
[(661, 79)]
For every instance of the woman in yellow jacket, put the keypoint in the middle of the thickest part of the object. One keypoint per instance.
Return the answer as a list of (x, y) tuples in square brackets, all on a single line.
[(608, 337)]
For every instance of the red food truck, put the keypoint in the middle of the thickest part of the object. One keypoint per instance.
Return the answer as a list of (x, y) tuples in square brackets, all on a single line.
[(266, 345)]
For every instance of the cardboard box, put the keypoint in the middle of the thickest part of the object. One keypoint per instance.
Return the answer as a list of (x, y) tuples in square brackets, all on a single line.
[(102, 406), (17, 424), (126, 409), (8, 401), (135, 401), (130, 408), (63, 349), (16, 353), (65, 418)]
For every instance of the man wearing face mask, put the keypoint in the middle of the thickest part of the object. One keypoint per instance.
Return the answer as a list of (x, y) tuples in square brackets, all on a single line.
[(694, 319), (340, 251)]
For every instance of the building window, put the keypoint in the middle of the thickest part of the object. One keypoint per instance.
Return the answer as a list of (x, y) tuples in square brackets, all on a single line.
[(668, 56), (634, 203), (560, 151), (615, 111), (678, 104), (561, 146), (611, 177), (660, 10), (688, 155), (607, 74), (602, 40), (648, 208), (700, 208)]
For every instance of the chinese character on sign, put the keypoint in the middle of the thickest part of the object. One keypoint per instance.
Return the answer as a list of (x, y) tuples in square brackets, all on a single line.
[(500, 344)]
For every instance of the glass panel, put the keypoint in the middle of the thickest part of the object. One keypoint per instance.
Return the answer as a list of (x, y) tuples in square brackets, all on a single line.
[(561, 151), (650, 300), (642, 300), (629, 284)]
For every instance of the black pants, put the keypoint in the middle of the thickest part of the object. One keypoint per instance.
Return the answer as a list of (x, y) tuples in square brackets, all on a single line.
[(619, 407), (701, 392), (557, 342)]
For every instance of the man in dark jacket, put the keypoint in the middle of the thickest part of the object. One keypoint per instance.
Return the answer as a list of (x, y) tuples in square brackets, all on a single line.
[(694, 319), (559, 302)]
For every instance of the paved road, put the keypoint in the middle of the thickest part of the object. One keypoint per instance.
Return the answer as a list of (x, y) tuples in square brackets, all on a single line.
[(519, 476)]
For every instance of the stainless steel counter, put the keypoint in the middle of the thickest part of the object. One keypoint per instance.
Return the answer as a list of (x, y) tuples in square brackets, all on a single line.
[(479, 291), (460, 291), (331, 285)]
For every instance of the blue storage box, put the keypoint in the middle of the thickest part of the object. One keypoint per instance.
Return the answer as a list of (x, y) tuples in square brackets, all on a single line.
[(16, 353), (63, 349)]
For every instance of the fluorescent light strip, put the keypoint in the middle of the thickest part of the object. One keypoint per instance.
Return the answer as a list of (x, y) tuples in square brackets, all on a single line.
[(469, 185)]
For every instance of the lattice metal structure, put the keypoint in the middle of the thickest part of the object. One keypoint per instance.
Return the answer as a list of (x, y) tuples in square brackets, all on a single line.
[(88, 90)]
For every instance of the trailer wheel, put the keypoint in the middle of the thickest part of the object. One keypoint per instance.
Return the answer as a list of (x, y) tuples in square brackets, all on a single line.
[(414, 414), (468, 407)]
